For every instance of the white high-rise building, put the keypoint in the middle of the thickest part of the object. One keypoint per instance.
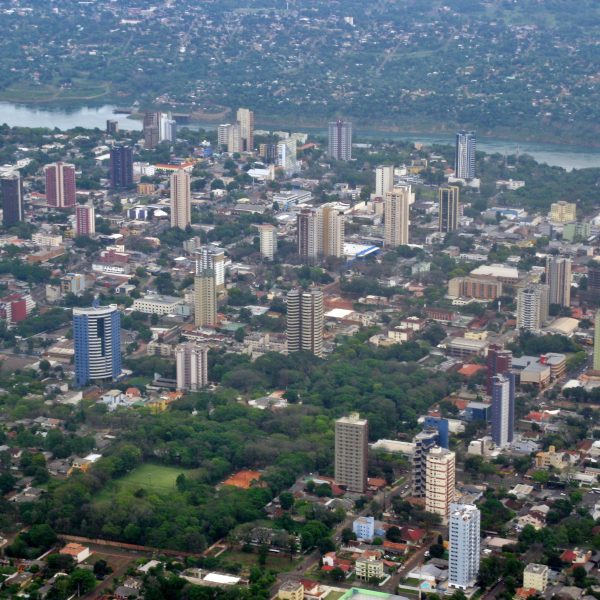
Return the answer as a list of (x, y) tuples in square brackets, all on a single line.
[(212, 258), (340, 140), (464, 535), (464, 160), (384, 180), (596, 363), (287, 155), (181, 199), (167, 128), (268, 240), (223, 134), (234, 138), (440, 471), (503, 409), (558, 279), (397, 216), (351, 452), (532, 307), (192, 367), (305, 321)]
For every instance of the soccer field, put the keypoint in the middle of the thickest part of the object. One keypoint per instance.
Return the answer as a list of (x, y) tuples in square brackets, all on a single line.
[(152, 477)]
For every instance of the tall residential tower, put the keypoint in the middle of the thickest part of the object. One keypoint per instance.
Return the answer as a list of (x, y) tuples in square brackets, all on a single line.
[(351, 452)]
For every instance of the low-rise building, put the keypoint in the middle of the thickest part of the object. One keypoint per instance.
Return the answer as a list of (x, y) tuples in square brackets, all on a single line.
[(291, 590), (535, 577), (364, 528), (155, 304), (369, 566)]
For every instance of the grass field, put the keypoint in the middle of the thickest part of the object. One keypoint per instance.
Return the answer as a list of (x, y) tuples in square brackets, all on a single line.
[(155, 478), (249, 559)]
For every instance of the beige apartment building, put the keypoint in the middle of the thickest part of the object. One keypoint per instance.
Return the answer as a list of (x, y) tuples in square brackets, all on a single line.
[(351, 452), (440, 470)]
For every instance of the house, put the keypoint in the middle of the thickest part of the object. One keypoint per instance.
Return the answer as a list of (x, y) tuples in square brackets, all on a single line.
[(552, 458), (83, 464), (576, 557), (78, 552), (412, 535), (395, 547), (291, 590), (331, 562), (123, 593)]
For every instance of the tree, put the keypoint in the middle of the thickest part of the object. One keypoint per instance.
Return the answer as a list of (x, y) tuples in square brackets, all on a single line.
[(348, 535), (101, 569), (436, 551), (286, 499), (337, 574), (82, 581)]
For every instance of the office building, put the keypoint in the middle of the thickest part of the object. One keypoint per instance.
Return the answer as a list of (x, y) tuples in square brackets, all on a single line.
[(384, 180), (464, 533), (532, 307), (205, 299), (397, 216), (503, 409), (192, 367), (351, 453), (499, 362), (287, 155), (439, 481), (333, 230), (305, 321), (181, 199), (212, 258), (535, 577), (11, 189), (449, 208), (97, 339), (121, 167), (309, 234), (340, 140), (85, 219), (563, 212), (268, 240), (464, 159), (558, 280), (439, 426), (596, 364), (60, 185), (245, 118), (151, 129), (423, 442), (112, 127)]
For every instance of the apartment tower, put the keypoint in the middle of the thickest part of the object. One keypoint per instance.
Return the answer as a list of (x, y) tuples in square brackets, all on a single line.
[(333, 230), (245, 118), (464, 159), (11, 189), (464, 533), (384, 180), (397, 216), (192, 367), (340, 140), (305, 321), (121, 167), (85, 219), (212, 258), (558, 279), (532, 307), (351, 452), (205, 299), (503, 409), (449, 208), (181, 199), (440, 481), (268, 240), (499, 361), (60, 185)]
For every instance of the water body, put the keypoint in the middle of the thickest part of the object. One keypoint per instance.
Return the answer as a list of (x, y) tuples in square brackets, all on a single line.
[(19, 115)]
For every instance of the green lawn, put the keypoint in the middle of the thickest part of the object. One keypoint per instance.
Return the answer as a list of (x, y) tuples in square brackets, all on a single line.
[(155, 478), (334, 595), (277, 562)]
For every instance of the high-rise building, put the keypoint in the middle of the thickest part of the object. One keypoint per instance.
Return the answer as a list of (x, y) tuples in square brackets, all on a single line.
[(351, 452), (234, 138), (503, 409), (268, 240), (340, 140), (309, 236), (268, 152), (192, 366), (333, 230), (181, 199), (212, 258), (97, 338), (558, 279), (449, 208), (593, 278), (464, 160), (424, 441), (85, 219), (397, 216), (223, 134), (563, 212), (151, 129), (167, 128), (384, 180), (11, 189), (287, 155), (112, 127), (121, 167), (305, 321), (596, 364), (532, 307), (245, 118), (439, 481), (499, 362), (205, 299), (464, 536), (60, 185)]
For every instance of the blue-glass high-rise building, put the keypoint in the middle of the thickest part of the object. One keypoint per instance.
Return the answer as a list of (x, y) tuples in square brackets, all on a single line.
[(97, 337), (464, 159), (503, 409)]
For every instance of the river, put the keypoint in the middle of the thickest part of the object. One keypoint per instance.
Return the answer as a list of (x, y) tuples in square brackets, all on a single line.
[(20, 115)]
